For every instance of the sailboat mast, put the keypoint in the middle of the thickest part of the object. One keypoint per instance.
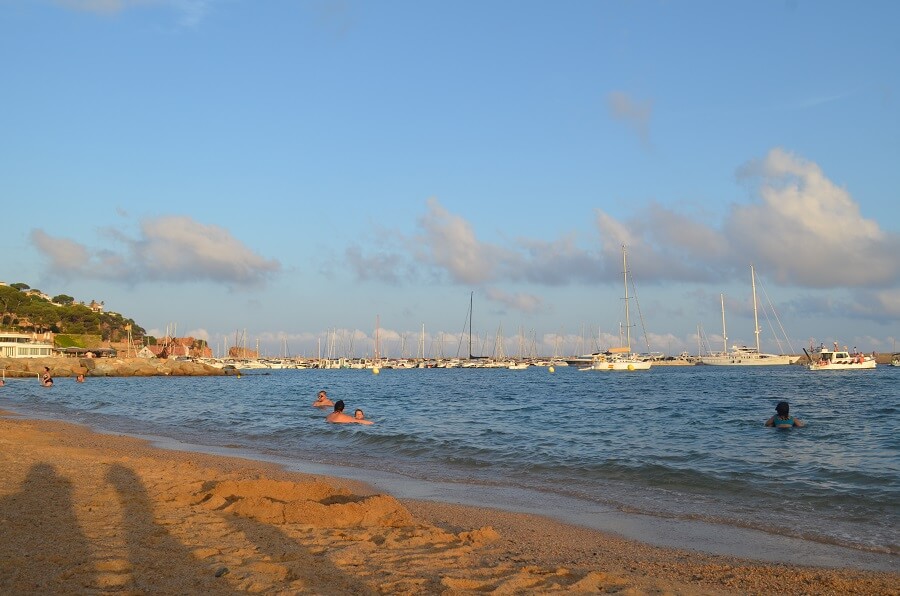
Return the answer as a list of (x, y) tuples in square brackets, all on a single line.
[(377, 325), (724, 335), (471, 299), (755, 318), (627, 319)]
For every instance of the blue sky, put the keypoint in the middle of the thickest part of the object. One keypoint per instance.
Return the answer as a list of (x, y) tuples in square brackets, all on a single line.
[(295, 171)]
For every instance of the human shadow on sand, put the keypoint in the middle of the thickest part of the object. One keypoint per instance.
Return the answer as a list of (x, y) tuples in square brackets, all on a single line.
[(294, 562), (160, 562), (42, 546)]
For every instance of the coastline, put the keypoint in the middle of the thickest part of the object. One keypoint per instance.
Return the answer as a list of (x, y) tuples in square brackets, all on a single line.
[(106, 367), (85, 511)]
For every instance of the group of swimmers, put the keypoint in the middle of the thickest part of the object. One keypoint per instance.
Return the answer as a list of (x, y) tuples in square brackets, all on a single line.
[(338, 415), (781, 419), (47, 379)]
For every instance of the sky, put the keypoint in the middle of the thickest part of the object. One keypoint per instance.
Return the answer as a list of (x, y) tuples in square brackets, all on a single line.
[(307, 175)]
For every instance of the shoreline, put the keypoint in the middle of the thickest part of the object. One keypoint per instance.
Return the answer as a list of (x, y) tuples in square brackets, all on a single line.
[(120, 513), (105, 367)]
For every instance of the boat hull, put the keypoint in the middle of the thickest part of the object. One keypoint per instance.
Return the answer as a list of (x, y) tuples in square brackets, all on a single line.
[(866, 364), (764, 360), (619, 365)]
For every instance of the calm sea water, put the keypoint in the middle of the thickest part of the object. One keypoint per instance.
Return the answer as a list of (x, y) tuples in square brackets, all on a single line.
[(676, 443)]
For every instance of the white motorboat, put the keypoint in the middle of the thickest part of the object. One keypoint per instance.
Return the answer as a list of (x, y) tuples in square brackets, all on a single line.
[(841, 360)]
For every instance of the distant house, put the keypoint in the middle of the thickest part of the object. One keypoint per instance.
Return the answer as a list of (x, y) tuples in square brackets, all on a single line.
[(146, 352), (37, 293), (95, 306)]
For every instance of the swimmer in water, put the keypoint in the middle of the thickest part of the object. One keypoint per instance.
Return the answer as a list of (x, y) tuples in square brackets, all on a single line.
[(322, 400), (46, 379), (339, 417), (782, 417)]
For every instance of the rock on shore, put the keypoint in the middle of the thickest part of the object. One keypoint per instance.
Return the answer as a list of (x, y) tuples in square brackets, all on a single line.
[(105, 367)]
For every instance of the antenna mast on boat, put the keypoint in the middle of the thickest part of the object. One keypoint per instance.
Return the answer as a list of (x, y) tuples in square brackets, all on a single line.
[(755, 318), (627, 319), (377, 325), (471, 301), (724, 336)]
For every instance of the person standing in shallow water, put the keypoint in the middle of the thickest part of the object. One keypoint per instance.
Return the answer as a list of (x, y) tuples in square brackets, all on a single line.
[(46, 379), (782, 417)]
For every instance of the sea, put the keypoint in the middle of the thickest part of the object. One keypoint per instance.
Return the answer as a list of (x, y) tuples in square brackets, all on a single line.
[(674, 456)]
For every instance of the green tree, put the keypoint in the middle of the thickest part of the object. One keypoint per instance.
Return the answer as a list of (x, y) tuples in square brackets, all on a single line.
[(63, 300), (20, 286)]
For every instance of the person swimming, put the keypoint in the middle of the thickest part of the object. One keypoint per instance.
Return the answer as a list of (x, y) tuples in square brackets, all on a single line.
[(322, 400), (339, 417), (782, 417), (46, 379)]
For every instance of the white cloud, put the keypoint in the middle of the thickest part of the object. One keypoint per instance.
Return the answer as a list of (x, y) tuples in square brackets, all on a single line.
[(170, 249), (637, 115), (198, 334), (809, 231), (799, 229), (803, 230), (449, 243), (528, 303)]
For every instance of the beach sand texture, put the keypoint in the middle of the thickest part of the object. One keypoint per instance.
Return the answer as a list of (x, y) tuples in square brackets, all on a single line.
[(82, 512)]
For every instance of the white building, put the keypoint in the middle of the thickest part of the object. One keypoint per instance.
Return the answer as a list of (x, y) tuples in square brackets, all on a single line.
[(22, 345)]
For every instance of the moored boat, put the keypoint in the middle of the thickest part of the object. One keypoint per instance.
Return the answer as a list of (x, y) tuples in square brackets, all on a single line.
[(621, 358), (841, 360)]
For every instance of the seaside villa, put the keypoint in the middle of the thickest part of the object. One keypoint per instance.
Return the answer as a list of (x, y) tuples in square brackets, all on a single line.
[(23, 345)]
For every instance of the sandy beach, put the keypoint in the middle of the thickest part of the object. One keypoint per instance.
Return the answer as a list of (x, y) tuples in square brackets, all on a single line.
[(82, 512)]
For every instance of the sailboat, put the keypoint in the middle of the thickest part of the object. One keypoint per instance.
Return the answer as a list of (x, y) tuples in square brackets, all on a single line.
[(620, 358), (743, 355)]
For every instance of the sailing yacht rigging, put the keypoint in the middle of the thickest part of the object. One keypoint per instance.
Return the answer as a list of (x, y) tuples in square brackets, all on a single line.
[(621, 358), (743, 355)]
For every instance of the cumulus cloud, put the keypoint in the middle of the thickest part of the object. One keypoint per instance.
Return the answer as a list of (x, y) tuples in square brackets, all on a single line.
[(637, 115), (799, 228), (169, 249), (528, 303), (449, 242), (809, 231), (384, 266)]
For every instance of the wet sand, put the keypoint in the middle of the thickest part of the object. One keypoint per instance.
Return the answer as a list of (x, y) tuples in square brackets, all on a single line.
[(82, 512)]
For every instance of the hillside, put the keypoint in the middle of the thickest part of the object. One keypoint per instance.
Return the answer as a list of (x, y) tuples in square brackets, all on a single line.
[(27, 310)]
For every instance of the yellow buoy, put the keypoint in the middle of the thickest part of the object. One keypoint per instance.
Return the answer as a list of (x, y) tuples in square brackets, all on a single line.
[(551, 369), (630, 367), (376, 370)]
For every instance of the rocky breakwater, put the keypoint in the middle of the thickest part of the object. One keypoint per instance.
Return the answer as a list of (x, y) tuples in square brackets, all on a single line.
[(105, 367)]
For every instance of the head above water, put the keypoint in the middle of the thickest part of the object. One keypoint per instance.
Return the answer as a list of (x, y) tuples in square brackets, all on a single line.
[(782, 408), (339, 405), (358, 414)]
